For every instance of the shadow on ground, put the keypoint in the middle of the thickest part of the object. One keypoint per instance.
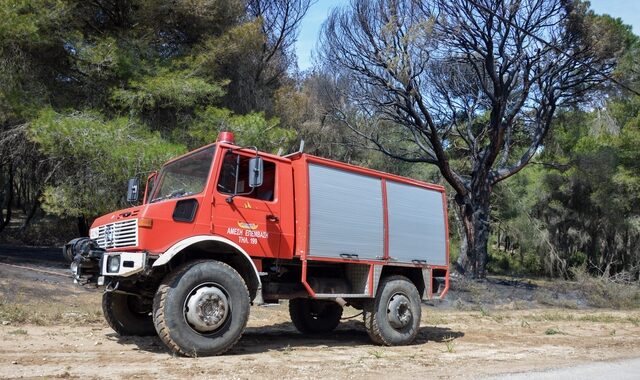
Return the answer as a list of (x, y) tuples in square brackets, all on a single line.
[(284, 336)]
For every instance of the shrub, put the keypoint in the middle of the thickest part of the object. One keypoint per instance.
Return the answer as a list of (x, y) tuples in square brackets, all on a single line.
[(605, 291)]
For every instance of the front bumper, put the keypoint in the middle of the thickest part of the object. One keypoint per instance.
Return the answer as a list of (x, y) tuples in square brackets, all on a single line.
[(91, 264), (122, 264)]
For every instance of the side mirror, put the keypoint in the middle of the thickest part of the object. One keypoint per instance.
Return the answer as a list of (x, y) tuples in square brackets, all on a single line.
[(256, 172), (133, 190)]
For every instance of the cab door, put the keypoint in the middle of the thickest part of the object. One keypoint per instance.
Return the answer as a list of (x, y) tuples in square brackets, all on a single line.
[(252, 217)]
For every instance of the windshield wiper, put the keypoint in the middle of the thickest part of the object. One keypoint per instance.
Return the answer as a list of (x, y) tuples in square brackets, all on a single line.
[(175, 194)]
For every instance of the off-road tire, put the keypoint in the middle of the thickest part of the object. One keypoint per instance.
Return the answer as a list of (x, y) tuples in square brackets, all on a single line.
[(376, 319), (314, 316), (67, 254), (169, 309), (127, 315)]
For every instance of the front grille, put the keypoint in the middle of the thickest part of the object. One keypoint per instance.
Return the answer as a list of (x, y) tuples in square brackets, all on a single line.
[(118, 234)]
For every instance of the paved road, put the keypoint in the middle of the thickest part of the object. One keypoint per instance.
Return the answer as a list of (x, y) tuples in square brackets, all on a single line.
[(37, 261), (617, 370), (50, 256), (34, 263)]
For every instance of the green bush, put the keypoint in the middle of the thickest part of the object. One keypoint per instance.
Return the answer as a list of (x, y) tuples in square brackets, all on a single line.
[(532, 264), (577, 259)]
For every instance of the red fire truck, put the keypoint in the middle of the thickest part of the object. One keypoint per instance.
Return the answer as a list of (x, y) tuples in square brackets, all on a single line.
[(224, 227)]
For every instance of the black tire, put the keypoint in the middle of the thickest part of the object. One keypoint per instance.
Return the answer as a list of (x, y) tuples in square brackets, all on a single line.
[(172, 307), (314, 316), (128, 314), (398, 327), (67, 254)]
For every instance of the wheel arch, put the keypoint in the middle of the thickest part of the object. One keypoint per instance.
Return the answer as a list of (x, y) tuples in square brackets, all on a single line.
[(215, 248), (416, 275)]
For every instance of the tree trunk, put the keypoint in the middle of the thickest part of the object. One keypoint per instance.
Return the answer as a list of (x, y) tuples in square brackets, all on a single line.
[(475, 210), (462, 263), (9, 200), (32, 212), (83, 226)]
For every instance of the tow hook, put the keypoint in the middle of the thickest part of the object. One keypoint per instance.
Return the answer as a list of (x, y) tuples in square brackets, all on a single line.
[(111, 288)]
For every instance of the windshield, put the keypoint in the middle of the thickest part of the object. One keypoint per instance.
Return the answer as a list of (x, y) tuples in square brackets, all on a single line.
[(185, 176)]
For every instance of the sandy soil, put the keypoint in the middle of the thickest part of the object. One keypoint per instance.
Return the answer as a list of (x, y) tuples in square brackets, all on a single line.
[(50, 328)]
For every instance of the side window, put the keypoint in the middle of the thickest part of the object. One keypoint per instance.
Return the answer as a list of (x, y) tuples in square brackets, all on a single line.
[(227, 180)]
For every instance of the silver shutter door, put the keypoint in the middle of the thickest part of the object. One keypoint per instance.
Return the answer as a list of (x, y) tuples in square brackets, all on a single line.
[(345, 214), (416, 224)]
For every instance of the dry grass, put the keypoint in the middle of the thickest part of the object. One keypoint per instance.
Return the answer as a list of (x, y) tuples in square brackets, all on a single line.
[(605, 292), (12, 313), (45, 314), (517, 293), (378, 354), (553, 331), (569, 316), (450, 344)]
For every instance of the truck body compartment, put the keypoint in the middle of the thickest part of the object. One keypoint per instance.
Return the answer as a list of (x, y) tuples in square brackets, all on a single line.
[(344, 212)]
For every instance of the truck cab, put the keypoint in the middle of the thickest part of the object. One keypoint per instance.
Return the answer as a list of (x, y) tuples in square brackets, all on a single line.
[(225, 226)]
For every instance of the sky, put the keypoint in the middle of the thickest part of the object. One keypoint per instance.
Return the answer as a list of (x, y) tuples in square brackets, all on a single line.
[(627, 10)]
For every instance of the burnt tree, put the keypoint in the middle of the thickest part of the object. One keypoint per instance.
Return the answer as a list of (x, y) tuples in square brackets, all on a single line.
[(471, 86)]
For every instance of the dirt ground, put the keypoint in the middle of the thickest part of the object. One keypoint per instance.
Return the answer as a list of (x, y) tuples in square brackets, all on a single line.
[(50, 328)]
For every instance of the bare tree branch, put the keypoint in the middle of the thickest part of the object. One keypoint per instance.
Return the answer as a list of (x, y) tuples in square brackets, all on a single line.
[(471, 82)]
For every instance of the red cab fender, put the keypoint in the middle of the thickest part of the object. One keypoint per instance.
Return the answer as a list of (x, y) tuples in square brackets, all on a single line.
[(185, 243)]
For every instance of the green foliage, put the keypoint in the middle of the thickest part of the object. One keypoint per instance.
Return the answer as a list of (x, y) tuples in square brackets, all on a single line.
[(525, 261), (111, 89), (28, 20), (553, 331), (581, 209), (168, 89), (103, 58), (239, 43), (98, 156), (250, 130)]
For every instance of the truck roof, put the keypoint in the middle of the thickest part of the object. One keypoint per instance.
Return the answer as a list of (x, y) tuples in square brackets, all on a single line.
[(322, 161), (364, 171)]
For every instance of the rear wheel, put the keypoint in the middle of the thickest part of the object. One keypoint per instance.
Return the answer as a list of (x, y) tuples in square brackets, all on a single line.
[(393, 318), (128, 314), (314, 316), (201, 309)]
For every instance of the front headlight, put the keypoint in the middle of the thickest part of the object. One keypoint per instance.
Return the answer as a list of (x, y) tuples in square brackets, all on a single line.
[(94, 233), (113, 264)]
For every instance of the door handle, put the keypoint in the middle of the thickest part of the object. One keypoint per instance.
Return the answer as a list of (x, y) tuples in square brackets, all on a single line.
[(272, 218)]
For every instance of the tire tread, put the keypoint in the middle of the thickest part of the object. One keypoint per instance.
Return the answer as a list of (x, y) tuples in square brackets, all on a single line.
[(135, 328), (159, 301), (299, 309), (370, 311)]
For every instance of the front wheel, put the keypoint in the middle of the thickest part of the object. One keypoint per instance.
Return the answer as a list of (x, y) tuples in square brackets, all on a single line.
[(393, 318), (201, 309), (128, 314), (314, 316)]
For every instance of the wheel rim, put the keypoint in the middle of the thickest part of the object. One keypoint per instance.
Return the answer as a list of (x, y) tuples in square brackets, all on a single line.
[(399, 311), (207, 308)]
